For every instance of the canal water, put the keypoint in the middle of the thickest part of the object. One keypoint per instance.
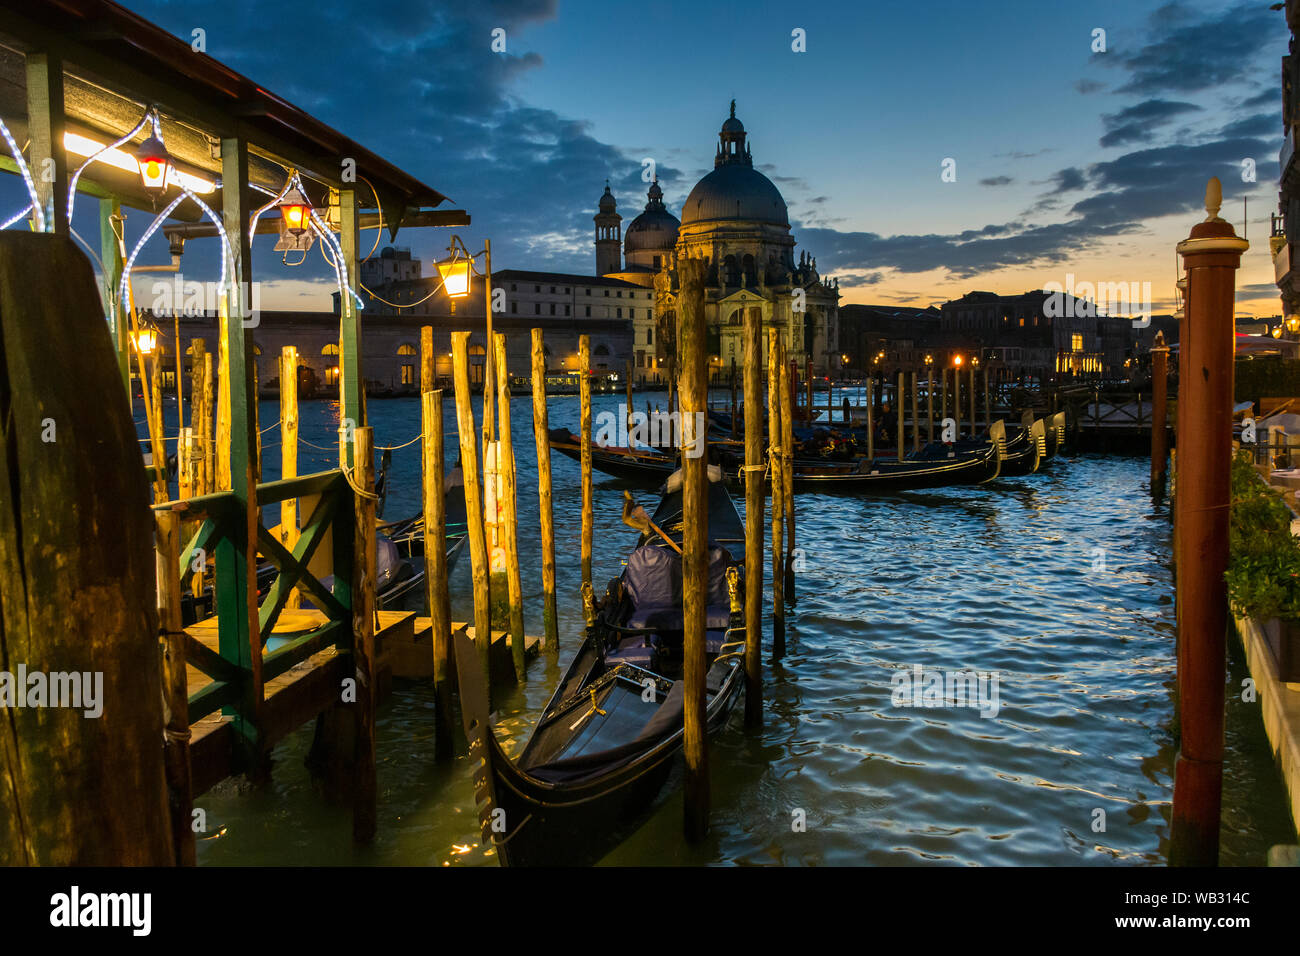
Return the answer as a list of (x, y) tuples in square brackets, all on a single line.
[(1056, 583)]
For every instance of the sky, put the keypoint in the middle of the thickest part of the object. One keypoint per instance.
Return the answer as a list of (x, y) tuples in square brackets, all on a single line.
[(1075, 152)]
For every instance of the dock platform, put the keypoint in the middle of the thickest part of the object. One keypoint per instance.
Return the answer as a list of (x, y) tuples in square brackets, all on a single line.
[(403, 648)]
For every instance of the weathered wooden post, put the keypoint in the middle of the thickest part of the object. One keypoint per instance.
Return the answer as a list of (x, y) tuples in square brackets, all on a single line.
[(209, 443), (435, 558), (988, 405), (584, 396), (692, 392), (473, 499), (808, 376), (506, 464), (1211, 254), (943, 395), (158, 446), (901, 398), (1159, 412), (433, 468), (489, 375), (84, 785), (541, 436), (916, 415), (753, 518), (365, 799), (289, 452), (929, 403), (775, 431), (627, 425), (787, 475), (734, 425), (871, 414), (176, 730)]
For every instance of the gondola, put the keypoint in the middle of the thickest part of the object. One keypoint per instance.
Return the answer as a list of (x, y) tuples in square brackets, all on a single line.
[(1024, 446), (936, 465), (611, 734)]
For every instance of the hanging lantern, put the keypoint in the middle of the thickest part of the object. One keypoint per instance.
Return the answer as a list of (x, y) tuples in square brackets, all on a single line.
[(956, 360), (152, 158), (295, 208), (455, 276), (145, 338), (1293, 323)]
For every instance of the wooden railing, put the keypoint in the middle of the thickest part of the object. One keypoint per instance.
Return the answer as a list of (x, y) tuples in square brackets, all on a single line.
[(239, 670)]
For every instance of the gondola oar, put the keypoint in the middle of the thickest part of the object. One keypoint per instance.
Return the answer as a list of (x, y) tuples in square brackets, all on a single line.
[(634, 516)]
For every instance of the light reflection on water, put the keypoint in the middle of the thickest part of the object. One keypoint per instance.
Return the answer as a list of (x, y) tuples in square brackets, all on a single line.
[(997, 577)]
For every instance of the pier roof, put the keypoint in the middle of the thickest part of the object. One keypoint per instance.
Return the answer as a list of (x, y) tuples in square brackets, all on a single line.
[(116, 63)]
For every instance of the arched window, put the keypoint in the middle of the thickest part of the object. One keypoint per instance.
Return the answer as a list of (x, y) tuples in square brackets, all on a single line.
[(406, 349), (330, 349), (602, 350)]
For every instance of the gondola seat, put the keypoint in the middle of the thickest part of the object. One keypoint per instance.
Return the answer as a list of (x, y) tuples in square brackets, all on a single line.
[(653, 583)]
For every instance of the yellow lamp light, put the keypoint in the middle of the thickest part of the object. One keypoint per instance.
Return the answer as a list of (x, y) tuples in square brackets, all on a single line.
[(455, 276), (957, 360), (296, 209), (1293, 323), (145, 339), (154, 162)]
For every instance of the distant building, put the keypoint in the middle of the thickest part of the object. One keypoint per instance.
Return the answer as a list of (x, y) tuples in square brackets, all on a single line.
[(736, 220), (1286, 224)]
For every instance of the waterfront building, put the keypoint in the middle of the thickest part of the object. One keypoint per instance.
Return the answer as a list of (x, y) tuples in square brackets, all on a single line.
[(737, 220), (1286, 223)]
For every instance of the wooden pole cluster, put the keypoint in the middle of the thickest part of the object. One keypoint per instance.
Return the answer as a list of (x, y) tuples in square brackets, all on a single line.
[(753, 518), (1159, 412), (916, 417), (775, 432), (693, 392), (972, 401), (541, 436), (506, 466), (1211, 255), (584, 395), (433, 467), (871, 414), (473, 499)]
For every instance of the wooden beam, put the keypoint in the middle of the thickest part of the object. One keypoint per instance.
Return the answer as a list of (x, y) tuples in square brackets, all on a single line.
[(46, 116), (351, 380)]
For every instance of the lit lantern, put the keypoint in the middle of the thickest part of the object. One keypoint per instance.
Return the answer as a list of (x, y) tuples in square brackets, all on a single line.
[(957, 360), (295, 208), (152, 158), (929, 360), (1293, 323), (145, 338), (455, 276)]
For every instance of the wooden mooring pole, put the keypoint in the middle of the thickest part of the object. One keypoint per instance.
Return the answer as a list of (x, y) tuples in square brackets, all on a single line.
[(753, 518), (1159, 413), (365, 799), (692, 392), (929, 404), (473, 500), (1211, 255), (787, 477), (289, 453), (541, 436), (506, 465), (775, 468), (584, 397), (901, 398), (916, 414), (871, 414), (433, 488), (176, 730)]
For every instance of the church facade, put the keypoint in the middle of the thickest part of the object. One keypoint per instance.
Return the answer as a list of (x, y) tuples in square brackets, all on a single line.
[(735, 219)]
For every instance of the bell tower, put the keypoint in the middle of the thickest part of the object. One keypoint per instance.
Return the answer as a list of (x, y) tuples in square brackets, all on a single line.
[(609, 235)]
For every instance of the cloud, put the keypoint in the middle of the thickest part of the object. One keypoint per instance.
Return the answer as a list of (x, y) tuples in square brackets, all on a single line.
[(1138, 123), (1088, 86), (997, 181), (1190, 50)]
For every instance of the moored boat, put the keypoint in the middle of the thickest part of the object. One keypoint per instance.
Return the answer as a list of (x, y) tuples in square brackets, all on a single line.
[(609, 737)]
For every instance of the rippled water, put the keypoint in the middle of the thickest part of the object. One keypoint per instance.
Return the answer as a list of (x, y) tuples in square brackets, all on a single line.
[(1058, 582)]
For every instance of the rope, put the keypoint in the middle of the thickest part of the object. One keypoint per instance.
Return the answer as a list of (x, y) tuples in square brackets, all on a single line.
[(357, 488), (398, 447)]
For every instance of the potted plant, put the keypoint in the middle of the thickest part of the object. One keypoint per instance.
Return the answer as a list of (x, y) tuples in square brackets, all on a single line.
[(1263, 574)]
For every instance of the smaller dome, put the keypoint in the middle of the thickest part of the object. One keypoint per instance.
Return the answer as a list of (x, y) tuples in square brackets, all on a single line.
[(607, 203), (732, 125), (656, 194)]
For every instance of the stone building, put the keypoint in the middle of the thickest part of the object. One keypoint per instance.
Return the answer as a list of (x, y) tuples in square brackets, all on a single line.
[(737, 220)]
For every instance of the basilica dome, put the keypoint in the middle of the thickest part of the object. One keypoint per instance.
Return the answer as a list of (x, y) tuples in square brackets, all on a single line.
[(735, 189), (655, 229)]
